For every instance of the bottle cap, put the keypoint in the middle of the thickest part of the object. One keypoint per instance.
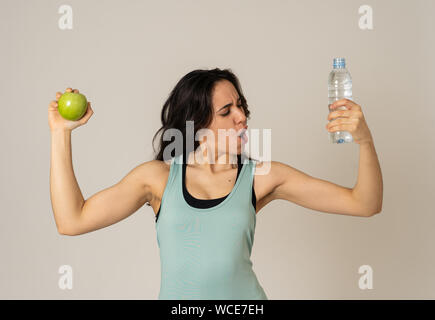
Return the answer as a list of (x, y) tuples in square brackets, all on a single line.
[(339, 63)]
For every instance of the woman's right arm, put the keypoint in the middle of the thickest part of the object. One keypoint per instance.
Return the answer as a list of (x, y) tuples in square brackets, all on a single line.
[(65, 194), (74, 215)]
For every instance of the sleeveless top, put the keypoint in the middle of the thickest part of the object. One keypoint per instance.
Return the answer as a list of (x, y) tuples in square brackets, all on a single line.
[(205, 252), (207, 203)]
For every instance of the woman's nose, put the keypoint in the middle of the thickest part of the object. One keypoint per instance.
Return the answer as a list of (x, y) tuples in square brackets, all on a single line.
[(240, 115)]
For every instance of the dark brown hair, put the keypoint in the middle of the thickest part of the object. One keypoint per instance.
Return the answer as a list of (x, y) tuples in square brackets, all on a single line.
[(191, 99)]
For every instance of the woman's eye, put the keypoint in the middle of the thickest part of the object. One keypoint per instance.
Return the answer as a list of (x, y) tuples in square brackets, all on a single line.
[(227, 113)]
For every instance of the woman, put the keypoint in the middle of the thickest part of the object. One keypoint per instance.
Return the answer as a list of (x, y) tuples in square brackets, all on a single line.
[(206, 210)]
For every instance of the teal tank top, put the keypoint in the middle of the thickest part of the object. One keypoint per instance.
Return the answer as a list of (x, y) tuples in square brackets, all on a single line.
[(205, 253)]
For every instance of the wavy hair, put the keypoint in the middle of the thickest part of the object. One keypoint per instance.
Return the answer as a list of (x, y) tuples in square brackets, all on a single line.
[(191, 100)]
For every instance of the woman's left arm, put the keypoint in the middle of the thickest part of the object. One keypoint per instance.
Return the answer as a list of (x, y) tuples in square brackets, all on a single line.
[(364, 200), (369, 187)]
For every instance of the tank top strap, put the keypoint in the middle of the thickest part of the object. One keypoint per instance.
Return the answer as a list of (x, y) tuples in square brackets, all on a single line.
[(246, 178), (243, 187), (171, 180), (248, 172)]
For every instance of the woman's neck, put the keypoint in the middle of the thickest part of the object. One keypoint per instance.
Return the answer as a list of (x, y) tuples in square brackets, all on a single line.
[(213, 164)]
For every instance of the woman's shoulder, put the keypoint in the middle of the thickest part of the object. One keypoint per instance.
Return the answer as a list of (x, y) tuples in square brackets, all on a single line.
[(269, 167), (152, 172), (156, 167), (155, 174)]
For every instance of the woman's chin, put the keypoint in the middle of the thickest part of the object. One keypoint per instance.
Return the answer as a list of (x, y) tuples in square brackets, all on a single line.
[(239, 149)]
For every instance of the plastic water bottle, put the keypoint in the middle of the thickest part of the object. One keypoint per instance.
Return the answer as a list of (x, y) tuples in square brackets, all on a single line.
[(339, 87)]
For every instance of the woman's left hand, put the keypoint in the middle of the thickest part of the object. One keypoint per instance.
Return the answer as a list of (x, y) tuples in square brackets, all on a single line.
[(351, 120)]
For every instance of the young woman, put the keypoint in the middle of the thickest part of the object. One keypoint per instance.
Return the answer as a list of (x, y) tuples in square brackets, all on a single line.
[(206, 210)]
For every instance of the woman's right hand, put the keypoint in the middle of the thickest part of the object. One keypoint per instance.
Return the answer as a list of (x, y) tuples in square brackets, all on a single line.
[(57, 122)]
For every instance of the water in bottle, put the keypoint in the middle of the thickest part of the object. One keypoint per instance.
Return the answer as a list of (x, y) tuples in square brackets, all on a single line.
[(339, 87)]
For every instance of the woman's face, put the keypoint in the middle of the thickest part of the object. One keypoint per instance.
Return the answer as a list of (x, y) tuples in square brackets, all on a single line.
[(228, 114)]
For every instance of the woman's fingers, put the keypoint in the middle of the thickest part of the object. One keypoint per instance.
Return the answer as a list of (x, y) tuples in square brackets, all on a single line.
[(340, 122), (341, 113), (53, 105), (58, 95), (344, 127), (87, 115), (349, 104), (72, 90)]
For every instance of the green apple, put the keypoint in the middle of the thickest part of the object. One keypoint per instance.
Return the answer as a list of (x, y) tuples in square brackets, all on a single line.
[(72, 106)]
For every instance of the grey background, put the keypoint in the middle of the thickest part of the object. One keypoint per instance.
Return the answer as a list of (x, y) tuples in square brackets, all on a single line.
[(126, 56)]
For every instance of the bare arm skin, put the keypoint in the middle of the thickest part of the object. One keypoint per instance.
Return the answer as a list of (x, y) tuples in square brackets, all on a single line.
[(65, 194), (364, 200), (114, 203), (73, 214), (369, 187), (287, 183)]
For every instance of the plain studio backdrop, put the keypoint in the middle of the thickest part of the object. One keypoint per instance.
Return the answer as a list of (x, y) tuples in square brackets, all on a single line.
[(126, 56)]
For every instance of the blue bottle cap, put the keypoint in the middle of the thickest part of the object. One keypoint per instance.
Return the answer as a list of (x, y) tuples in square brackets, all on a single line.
[(339, 63)]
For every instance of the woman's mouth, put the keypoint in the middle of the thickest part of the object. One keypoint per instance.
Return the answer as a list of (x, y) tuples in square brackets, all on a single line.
[(243, 137)]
